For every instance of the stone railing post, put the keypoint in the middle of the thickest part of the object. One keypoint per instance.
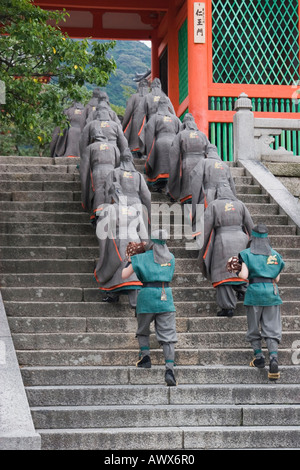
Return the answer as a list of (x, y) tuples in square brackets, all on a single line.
[(243, 129)]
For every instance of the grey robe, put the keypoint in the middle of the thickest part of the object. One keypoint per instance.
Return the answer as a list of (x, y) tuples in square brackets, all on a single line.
[(94, 101), (205, 177), (188, 148), (103, 103), (130, 119), (148, 107), (67, 145), (227, 227), (111, 129), (98, 160), (108, 273), (160, 132), (133, 186)]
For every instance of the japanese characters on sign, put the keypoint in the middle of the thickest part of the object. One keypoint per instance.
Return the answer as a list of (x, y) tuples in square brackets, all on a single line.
[(199, 22)]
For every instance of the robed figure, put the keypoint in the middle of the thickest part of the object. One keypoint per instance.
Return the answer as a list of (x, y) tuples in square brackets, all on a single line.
[(103, 123), (117, 225), (227, 227), (132, 183), (130, 119), (189, 147), (148, 107), (66, 143), (98, 160), (160, 132)]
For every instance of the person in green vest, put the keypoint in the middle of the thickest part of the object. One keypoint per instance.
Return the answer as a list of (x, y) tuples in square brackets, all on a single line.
[(155, 269), (261, 265)]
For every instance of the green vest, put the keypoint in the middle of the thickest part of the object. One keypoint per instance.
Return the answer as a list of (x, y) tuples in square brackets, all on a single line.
[(150, 298), (262, 293)]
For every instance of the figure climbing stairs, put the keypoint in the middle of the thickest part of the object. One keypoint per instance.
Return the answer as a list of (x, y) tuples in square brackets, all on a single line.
[(77, 355)]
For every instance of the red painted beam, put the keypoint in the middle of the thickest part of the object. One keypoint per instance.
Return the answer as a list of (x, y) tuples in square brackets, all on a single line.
[(128, 5), (101, 33)]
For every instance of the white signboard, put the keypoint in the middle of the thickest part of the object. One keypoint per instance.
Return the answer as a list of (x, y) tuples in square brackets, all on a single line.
[(199, 22)]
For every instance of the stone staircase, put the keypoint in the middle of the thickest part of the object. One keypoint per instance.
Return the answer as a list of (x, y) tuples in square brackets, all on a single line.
[(77, 355)]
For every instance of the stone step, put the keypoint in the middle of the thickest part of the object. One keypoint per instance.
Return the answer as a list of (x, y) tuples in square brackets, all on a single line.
[(40, 206), (76, 195), (284, 241), (100, 395), (14, 186), (200, 294), (35, 168), (246, 198), (143, 416), (42, 196), (73, 228), (80, 375), (113, 357), (74, 294), (43, 240), (80, 218), (87, 280), (235, 170), (83, 252), (100, 324), (122, 309), (33, 262), (198, 437), (36, 185), (30, 160), (63, 265), (75, 206), (123, 341), (35, 160), (45, 217), (5, 196), (41, 177)]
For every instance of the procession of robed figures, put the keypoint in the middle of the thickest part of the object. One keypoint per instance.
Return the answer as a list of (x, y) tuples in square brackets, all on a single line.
[(179, 161)]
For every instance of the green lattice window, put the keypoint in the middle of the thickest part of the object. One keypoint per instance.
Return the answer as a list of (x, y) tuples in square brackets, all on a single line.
[(183, 61), (255, 41)]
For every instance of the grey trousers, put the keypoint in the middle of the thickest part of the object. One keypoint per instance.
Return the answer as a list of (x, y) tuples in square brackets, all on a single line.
[(264, 323), (165, 331), (132, 296), (226, 295)]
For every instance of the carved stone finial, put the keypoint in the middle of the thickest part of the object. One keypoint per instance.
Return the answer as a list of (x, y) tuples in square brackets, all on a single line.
[(243, 102)]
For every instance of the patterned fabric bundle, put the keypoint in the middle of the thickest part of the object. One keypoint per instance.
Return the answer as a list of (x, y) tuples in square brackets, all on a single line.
[(233, 264), (134, 248)]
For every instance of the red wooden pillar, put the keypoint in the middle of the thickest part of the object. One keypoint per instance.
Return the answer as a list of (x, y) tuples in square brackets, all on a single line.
[(173, 71), (154, 55), (198, 69)]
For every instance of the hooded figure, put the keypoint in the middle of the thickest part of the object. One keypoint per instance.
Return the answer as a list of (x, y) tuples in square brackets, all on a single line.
[(132, 183), (160, 132), (205, 178), (155, 269), (109, 128), (103, 102), (94, 101), (262, 265), (98, 160), (117, 225), (67, 145), (148, 107), (227, 227), (130, 120), (188, 148)]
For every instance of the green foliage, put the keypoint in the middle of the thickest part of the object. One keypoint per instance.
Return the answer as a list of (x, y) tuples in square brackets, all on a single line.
[(131, 57), (33, 51)]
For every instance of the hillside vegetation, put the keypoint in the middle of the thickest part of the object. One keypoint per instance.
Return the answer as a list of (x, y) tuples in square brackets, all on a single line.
[(131, 57)]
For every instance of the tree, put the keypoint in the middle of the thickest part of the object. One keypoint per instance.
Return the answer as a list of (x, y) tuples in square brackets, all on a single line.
[(43, 69)]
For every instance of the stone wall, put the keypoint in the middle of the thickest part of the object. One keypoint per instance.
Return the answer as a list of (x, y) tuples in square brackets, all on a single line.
[(287, 170)]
